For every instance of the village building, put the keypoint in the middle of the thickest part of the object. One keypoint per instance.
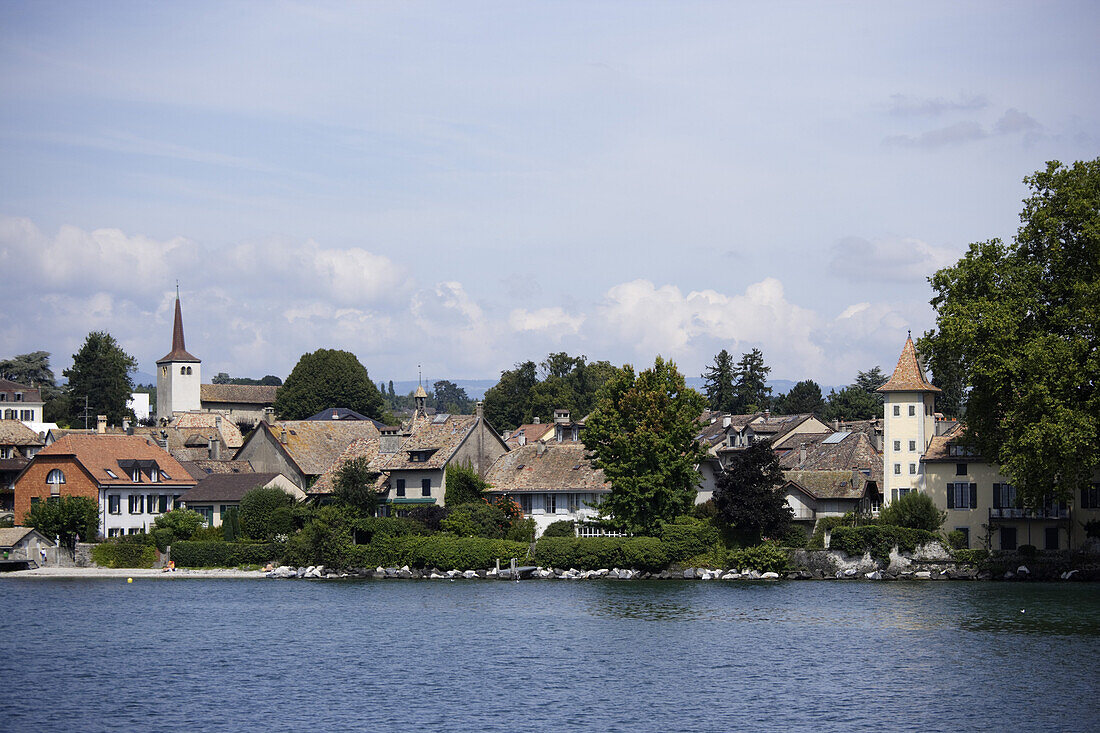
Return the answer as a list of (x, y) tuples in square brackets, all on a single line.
[(217, 493), (25, 547), (203, 467), (131, 479), (18, 445), (302, 450), (244, 404), (20, 402), (829, 475)]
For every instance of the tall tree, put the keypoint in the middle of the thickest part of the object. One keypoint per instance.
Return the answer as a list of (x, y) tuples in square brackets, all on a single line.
[(69, 517), (1022, 321), (449, 397), (746, 497), (947, 374), (751, 385), (508, 403), (852, 403), (31, 369), (327, 378), (354, 485), (101, 374), (870, 380), (804, 397), (642, 436), (718, 383)]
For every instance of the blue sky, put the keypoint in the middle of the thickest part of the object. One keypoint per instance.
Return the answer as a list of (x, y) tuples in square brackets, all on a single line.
[(465, 186)]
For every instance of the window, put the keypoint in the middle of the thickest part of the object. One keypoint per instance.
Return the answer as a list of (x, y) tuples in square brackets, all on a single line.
[(1090, 497), (164, 476), (962, 496), (9, 414), (912, 410), (207, 513), (400, 487), (153, 474), (114, 504), (425, 487), (1050, 538), (34, 500), (26, 414), (183, 370), (960, 469), (18, 396), (1004, 496), (137, 504), (897, 469), (912, 445), (224, 508), (162, 503), (1008, 538), (135, 530), (54, 499), (55, 478), (135, 475), (151, 502), (897, 445), (551, 503), (966, 536), (525, 503), (114, 532), (897, 410), (111, 473), (912, 469)]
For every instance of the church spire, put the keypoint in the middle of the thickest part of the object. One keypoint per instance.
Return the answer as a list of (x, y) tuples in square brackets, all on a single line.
[(179, 350)]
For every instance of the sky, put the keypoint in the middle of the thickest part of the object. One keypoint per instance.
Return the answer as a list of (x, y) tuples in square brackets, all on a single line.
[(465, 186)]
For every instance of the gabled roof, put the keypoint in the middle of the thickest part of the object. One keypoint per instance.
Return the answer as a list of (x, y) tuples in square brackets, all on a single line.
[(99, 453), (202, 468), (209, 423), (245, 394), (531, 432), (11, 536), (559, 467), (13, 432), (227, 486), (179, 351), (829, 484), (313, 445), (359, 448), (440, 436), (853, 451), (908, 376), (941, 448), (30, 394), (344, 413)]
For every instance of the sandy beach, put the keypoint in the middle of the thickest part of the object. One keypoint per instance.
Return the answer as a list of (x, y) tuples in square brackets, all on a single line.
[(135, 573)]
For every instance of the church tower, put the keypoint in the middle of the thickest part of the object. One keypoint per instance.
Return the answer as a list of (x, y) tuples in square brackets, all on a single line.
[(178, 375), (908, 426)]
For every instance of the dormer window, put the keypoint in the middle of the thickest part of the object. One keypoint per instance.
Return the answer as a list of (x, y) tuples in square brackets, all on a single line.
[(135, 475), (18, 396), (153, 474)]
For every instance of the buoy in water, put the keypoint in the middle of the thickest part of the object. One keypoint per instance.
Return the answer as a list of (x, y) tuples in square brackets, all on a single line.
[(129, 580)]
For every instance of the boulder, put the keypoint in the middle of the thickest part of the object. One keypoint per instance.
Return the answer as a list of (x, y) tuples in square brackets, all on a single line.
[(689, 574), (470, 574), (1022, 570), (769, 576), (922, 575), (873, 575)]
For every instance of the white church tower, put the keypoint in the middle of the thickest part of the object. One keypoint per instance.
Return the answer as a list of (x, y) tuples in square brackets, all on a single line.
[(178, 375), (909, 425)]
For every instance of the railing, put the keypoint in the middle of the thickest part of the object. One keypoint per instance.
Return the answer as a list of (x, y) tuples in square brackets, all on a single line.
[(1014, 513)]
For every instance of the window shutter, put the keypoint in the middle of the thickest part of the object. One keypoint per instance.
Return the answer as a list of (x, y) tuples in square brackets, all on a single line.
[(951, 496), (973, 496), (1084, 497), (996, 496)]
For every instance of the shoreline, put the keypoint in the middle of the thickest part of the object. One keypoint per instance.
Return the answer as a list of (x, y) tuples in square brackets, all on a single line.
[(135, 573)]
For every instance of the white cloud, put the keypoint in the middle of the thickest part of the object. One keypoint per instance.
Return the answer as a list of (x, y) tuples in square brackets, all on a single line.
[(893, 260), (553, 321)]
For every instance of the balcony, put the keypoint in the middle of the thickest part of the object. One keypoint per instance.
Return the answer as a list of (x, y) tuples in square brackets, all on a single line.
[(1018, 515)]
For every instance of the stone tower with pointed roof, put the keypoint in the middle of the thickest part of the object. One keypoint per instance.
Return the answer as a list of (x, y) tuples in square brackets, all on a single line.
[(909, 425), (178, 375)]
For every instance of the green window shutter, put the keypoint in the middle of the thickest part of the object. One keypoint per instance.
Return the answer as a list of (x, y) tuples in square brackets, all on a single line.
[(973, 495), (951, 496), (996, 496)]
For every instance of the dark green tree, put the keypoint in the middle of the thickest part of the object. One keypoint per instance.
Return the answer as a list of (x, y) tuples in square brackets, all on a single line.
[(718, 383), (67, 517), (101, 373), (751, 383), (913, 510), (870, 380), (1022, 323), (327, 378), (355, 485), (852, 403), (449, 397), (32, 369), (642, 436), (947, 374), (508, 403), (464, 486), (746, 494), (266, 513), (804, 397)]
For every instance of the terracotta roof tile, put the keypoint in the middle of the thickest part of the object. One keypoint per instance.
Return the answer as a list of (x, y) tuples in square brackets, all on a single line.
[(246, 394), (98, 453), (560, 467), (908, 376)]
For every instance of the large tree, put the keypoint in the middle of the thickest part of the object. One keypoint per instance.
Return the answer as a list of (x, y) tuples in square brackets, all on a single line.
[(751, 385), (746, 494), (642, 436), (508, 404), (71, 518), (100, 374), (568, 382), (852, 403), (355, 485), (804, 397), (327, 378), (449, 397), (718, 383), (870, 380), (1022, 323)]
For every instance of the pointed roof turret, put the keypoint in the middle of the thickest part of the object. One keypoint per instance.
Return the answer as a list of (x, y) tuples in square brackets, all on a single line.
[(420, 393), (179, 351), (908, 376)]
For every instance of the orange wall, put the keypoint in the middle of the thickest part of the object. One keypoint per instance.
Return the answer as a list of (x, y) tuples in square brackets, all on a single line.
[(33, 483)]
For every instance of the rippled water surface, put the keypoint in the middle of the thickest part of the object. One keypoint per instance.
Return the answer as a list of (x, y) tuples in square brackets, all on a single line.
[(591, 655)]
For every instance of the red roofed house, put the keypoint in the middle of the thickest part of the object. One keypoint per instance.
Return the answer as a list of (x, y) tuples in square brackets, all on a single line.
[(132, 479)]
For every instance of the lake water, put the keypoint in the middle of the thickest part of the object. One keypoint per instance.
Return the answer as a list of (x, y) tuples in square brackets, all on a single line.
[(241, 655)]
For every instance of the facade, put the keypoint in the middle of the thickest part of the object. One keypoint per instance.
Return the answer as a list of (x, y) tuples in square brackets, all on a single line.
[(241, 403), (131, 479), (217, 493), (26, 543), (179, 375), (20, 402), (18, 445)]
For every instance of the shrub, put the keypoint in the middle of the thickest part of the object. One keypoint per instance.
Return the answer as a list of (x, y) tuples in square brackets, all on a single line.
[(325, 540), (182, 523), (436, 551), (767, 557), (464, 486), (915, 511), (124, 555), (477, 519), (367, 528), (1027, 551), (688, 537), (231, 524), (561, 528), (825, 524), (795, 536), (355, 485), (429, 516), (522, 530), (971, 557), (956, 540), (223, 554), (879, 540), (163, 538), (592, 553), (265, 513)]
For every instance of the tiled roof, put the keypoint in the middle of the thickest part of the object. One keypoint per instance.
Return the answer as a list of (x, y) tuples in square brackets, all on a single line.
[(315, 444), (201, 468), (440, 435), (341, 413), (939, 449), (908, 376), (359, 448), (97, 453), (13, 432), (532, 432), (854, 451), (829, 484), (560, 467), (246, 394), (227, 486), (188, 422), (30, 394), (11, 536)]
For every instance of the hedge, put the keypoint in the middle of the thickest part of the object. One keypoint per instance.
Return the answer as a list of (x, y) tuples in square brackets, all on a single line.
[(129, 555), (766, 557), (879, 540), (592, 553), (682, 541), (223, 554), (436, 551)]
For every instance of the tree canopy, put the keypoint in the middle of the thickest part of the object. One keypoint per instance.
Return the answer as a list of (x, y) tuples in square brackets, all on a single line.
[(101, 373), (327, 378), (746, 497), (464, 486), (804, 397), (1021, 323), (269, 380), (446, 396), (67, 517), (641, 434), (354, 485), (718, 383), (568, 382), (751, 386)]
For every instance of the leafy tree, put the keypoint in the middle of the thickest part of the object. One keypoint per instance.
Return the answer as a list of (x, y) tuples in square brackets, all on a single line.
[(464, 486), (870, 380), (718, 383), (913, 510), (67, 517), (1022, 322), (804, 397), (266, 512), (181, 522), (449, 397), (642, 436), (32, 369), (231, 524), (101, 373), (751, 385), (852, 403), (947, 374), (268, 381), (746, 497), (354, 485), (569, 382), (508, 403), (327, 378)]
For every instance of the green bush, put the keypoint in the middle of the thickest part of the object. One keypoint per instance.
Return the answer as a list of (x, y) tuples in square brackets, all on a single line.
[(436, 551), (971, 557), (688, 537), (464, 486), (181, 522), (1027, 551), (825, 524), (560, 528), (766, 557), (592, 553), (522, 530), (208, 534), (231, 524), (477, 519), (956, 539), (795, 536), (367, 528), (163, 537), (124, 555), (191, 554), (913, 510), (266, 513), (879, 540)]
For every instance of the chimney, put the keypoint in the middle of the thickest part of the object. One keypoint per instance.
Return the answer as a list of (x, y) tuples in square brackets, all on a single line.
[(218, 424), (213, 448), (269, 415), (540, 448), (767, 414), (282, 436), (126, 427), (480, 410), (726, 421), (801, 453), (535, 420), (101, 424), (836, 424)]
